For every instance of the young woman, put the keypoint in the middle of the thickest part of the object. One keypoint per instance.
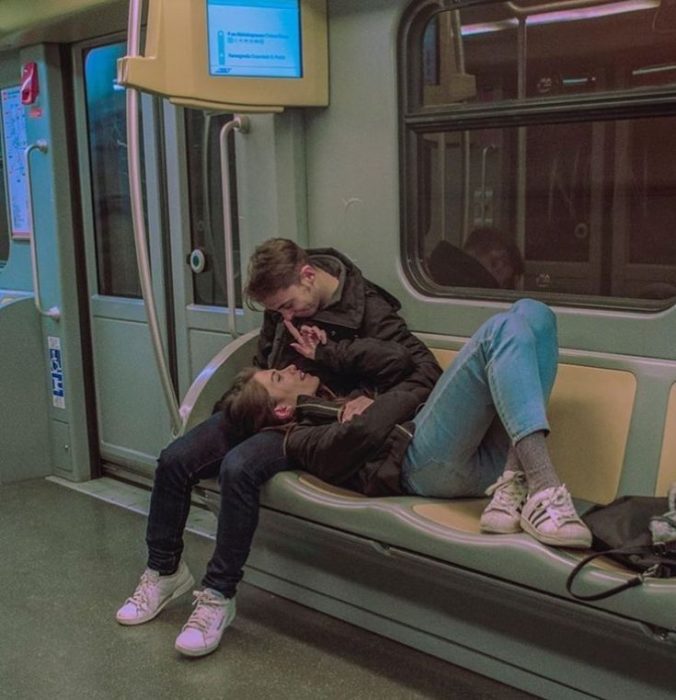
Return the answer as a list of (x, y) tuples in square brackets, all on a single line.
[(482, 430)]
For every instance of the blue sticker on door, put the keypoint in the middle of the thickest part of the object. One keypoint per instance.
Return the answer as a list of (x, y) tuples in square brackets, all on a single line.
[(56, 372)]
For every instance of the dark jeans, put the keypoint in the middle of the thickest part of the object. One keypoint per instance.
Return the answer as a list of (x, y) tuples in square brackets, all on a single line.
[(202, 454)]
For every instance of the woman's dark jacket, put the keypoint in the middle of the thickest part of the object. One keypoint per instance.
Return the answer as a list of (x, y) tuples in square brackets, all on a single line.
[(365, 453), (361, 310)]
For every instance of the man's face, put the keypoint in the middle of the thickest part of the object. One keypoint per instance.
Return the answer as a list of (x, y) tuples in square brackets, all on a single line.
[(300, 300)]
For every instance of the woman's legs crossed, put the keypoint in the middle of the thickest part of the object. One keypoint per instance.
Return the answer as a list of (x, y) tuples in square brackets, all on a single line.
[(500, 382), (505, 371)]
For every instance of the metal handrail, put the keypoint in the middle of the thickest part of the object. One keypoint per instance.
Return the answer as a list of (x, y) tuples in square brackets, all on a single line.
[(484, 167), (558, 6), (238, 123), (140, 238), (54, 312)]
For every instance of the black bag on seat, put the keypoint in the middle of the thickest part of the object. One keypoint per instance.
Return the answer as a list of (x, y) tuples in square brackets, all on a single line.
[(621, 531)]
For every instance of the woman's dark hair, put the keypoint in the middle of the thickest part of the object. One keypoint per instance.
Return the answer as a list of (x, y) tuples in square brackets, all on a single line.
[(247, 407)]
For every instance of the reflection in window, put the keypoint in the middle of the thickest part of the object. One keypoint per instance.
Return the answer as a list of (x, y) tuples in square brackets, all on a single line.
[(206, 206), (106, 126), (579, 203), (4, 214), (512, 52)]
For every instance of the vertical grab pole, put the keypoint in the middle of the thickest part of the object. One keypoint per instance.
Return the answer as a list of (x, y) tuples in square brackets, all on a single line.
[(484, 166), (521, 138), (466, 143), (140, 239), (238, 123)]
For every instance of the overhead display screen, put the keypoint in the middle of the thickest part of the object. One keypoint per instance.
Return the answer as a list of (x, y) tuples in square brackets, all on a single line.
[(254, 39)]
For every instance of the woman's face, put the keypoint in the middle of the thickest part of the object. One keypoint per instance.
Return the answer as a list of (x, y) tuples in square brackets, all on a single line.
[(286, 385)]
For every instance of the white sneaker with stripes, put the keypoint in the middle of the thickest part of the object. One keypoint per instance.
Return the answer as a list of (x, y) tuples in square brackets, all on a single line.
[(550, 517), (503, 514)]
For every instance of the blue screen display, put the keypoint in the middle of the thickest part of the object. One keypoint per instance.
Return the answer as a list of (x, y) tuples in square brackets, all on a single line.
[(254, 39)]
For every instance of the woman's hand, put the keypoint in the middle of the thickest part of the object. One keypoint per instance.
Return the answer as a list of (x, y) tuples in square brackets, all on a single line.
[(354, 407), (307, 339)]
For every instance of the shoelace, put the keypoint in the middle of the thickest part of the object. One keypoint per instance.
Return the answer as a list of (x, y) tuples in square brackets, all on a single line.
[(141, 596), (507, 493), (206, 609), (559, 506)]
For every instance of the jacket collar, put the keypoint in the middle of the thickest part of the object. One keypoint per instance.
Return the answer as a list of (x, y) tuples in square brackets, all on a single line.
[(347, 307)]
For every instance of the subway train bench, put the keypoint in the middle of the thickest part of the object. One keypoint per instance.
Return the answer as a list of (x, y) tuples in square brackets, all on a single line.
[(419, 570)]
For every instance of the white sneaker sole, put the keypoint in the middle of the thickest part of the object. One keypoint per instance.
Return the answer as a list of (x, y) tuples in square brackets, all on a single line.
[(182, 589), (554, 541), (493, 530)]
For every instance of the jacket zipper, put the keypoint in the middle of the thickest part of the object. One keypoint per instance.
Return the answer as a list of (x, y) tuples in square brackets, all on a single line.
[(408, 433), (323, 407)]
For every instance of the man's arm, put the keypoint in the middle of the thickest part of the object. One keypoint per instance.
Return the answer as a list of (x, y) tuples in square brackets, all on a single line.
[(379, 364), (382, 322)]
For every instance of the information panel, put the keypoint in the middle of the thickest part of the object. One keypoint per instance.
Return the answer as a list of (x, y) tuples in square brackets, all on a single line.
[(14, 145), (255, 39)]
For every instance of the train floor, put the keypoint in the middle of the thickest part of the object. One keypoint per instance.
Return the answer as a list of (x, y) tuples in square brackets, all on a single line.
[(69, 560)]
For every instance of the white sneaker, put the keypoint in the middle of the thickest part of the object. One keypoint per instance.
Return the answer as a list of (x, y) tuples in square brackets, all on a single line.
[(202, 633), (503, 514), (550, 517), (153, 593)]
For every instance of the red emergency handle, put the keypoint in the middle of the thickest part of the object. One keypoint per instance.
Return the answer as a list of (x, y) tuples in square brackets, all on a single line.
[(29, 83)]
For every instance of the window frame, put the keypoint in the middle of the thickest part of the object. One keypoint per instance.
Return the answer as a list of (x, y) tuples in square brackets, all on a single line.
[(416, 119)]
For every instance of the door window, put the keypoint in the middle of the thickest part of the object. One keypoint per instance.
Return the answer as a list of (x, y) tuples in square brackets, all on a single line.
[(206, 206), (111, 204)]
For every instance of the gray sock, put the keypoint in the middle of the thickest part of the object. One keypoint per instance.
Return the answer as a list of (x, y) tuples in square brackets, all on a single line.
[(512, 464), (534, 457)]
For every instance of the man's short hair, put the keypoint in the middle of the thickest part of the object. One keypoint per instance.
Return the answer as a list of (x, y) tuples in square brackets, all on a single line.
[(275, 265), (486, 239)]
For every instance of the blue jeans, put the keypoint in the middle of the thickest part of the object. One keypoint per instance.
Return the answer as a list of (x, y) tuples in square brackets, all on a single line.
[(493, 394), (203, 453)]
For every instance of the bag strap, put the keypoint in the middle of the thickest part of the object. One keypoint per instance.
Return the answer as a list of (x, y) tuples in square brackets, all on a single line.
[(631, 583)]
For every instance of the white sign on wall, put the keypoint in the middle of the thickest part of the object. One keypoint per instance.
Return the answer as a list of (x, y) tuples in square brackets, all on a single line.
[(14, 147)]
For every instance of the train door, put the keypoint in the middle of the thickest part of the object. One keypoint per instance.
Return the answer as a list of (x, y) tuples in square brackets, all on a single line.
[(184, 222)]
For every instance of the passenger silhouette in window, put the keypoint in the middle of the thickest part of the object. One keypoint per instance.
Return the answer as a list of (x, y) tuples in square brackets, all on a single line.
[(487, 259)]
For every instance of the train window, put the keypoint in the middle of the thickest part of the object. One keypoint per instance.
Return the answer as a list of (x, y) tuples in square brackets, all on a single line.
[(528, 50), (206, 206), (106, 128), (4, 214), (536, 152)]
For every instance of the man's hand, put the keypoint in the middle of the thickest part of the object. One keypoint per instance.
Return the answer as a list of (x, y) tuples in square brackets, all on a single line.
[(354, 407), (307, 339)]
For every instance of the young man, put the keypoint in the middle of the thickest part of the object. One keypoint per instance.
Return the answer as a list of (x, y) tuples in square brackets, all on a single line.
[(318, 286)]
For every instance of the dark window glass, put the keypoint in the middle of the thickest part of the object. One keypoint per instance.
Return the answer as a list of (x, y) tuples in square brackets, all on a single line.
[(206, 206), (517, 51), (107, 131), (558, 201)]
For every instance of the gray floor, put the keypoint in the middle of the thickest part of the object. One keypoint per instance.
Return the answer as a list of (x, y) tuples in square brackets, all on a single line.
[(68, 561)]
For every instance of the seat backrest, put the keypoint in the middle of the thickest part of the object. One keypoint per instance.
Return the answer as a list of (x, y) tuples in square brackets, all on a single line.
[(215, 379), (667, 469)]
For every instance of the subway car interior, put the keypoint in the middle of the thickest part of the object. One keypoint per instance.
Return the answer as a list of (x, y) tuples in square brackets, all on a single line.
[(464, 154)]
